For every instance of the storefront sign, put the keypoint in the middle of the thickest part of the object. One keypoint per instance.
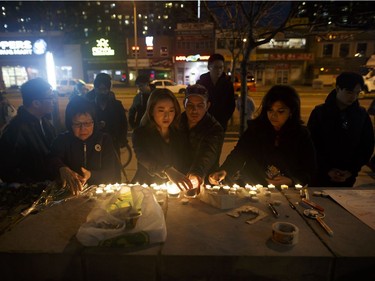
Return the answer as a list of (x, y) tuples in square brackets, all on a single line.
[(192, 58), (102, 48), (302, 56), (22, 47)]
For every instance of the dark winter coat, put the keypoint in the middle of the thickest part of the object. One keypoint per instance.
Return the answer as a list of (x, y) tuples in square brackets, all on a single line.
[(154, 155), (344, 139), (96, 154), (205, 144), (221, 97), (137, 109), (256, 150), (112, 119), (24, 148)]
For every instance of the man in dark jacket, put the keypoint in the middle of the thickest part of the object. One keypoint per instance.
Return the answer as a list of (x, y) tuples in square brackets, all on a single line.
[(342, 133), (110, 113), (205, 134), (220, 90), (26, 140), (138, 107)]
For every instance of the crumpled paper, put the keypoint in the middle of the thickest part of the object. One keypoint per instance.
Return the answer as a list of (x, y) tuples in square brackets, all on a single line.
[(255, 213)]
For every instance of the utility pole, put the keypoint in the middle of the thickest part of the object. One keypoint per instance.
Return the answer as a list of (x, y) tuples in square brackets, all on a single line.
[(135, 39)]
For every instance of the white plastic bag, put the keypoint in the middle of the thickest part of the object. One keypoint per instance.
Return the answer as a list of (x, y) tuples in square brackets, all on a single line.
[(104, 229)]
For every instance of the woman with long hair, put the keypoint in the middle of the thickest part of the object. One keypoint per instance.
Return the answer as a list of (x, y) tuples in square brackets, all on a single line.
[(158, 144), (276, 148)]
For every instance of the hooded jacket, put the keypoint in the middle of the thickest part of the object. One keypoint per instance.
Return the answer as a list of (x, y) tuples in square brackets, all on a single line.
[(343, 139)]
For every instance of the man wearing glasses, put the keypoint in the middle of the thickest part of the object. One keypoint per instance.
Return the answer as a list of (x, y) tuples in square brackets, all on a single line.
[(25, 141)]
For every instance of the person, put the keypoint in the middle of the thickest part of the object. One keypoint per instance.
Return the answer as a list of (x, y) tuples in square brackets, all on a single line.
[(25, 142), (342, 133), (79, 89), (138, 106), (158, 144), (205, 135), (250, 106), (83, 154), (110, 113), (275, 149), (220, 90), (7, 111)]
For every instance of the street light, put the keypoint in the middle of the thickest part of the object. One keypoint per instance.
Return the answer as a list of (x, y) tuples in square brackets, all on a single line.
[(135, 38)]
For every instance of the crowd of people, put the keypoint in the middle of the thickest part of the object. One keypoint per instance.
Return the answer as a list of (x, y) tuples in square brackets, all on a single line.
[(183, 145)]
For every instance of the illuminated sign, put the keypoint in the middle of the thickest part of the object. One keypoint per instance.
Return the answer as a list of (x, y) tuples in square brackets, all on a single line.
[(102, 48), (149, 41), (23, 47), (192, 58)]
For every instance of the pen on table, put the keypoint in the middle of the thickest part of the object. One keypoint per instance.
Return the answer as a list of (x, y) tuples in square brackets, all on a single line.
[(274, 211)]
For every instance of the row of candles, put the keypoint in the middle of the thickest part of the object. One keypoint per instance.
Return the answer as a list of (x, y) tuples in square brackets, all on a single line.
[(174, 191)]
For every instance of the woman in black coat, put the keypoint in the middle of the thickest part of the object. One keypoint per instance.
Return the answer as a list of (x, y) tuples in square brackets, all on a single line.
[(158, 145), (276, 148), (83, 154)]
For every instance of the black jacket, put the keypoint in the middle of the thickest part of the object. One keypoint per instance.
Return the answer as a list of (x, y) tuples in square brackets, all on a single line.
[(24, 148), (205, 144), (114, 119), (154, 155), (343, 139), (221, 97), (137, 109), (96, 154), (256, 150)]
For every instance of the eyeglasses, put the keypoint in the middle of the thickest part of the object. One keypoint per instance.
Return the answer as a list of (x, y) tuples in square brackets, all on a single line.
[(78, 125)]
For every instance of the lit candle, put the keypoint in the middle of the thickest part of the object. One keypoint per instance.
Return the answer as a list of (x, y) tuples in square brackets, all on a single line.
[(259, 186), (271, 186), (226, 188), (298, 186), (284, 186), (173, 190), (236, 186), (252, 193), (248, 186)]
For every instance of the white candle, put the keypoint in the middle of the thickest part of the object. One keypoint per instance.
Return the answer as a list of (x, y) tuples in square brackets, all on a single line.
[(284, 186), (298, 186)]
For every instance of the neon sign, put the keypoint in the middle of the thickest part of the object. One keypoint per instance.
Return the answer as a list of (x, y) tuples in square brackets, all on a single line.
[(22, 47), (192, 58), (102, 48)]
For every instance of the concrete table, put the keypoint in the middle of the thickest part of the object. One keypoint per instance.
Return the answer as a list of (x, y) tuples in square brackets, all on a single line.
[(353, 242), (44, 247), (204, 243)]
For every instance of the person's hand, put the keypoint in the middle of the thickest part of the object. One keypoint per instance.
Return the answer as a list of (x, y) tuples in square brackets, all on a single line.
[(217, 177), (71, 180), (337, 175), (178, 178), (195, 180), (279, 180), (86, 176)]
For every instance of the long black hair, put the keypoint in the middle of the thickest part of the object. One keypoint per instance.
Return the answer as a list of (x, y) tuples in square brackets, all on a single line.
[(288, 96)]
